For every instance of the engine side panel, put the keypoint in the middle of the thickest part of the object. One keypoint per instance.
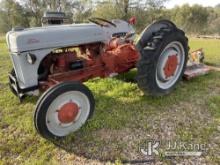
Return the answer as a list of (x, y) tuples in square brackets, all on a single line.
[(26, 73)]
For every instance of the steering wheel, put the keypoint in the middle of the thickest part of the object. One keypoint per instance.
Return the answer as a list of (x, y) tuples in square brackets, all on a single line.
[(99, 21)]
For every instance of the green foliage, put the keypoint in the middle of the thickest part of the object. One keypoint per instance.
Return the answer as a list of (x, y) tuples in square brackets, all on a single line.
[(155, 4), (214, 21), (12, 14), (108, 11), (145, 11), (192, 19), (215, 26), (81, 10)]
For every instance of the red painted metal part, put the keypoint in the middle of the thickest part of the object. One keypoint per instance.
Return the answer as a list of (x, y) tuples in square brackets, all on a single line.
[(98, 61), (68, 112), (171, 66), (132, 20)]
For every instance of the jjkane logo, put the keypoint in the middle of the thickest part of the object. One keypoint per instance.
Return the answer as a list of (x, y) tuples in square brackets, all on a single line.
[(151, 148)]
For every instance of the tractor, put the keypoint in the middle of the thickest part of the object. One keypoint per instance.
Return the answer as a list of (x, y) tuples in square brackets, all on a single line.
[(53, 62)]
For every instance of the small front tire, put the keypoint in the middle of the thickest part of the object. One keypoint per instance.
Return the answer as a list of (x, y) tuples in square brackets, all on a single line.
[(63, 109)]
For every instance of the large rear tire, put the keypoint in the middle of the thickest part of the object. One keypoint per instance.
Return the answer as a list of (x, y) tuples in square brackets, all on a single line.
[(63, 109), (163, 61)]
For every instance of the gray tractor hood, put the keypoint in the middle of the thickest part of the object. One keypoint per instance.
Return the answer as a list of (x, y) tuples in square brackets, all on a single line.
[(63, 36), (54, 37)]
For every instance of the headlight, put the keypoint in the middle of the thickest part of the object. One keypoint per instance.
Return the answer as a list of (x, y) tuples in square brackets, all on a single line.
[(31, 58)]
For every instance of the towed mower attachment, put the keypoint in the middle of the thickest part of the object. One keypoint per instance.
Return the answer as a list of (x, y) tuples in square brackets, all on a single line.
[(195, 66)]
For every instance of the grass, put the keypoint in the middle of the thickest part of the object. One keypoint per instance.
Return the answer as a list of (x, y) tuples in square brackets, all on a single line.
[(123, 118), (211, 48)]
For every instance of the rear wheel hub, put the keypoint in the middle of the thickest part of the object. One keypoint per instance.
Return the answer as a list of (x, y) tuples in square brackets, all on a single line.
[(68, 113), (171, 66)]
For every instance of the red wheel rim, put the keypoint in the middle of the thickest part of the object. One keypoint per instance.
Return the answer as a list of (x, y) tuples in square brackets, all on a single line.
[(68, 112), (171, 66)]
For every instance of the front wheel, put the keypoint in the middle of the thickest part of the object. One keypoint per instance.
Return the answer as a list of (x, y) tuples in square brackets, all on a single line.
[(163, 61), (63, 109)]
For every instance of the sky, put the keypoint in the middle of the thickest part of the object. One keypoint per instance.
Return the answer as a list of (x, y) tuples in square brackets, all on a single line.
[(212, 3)]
